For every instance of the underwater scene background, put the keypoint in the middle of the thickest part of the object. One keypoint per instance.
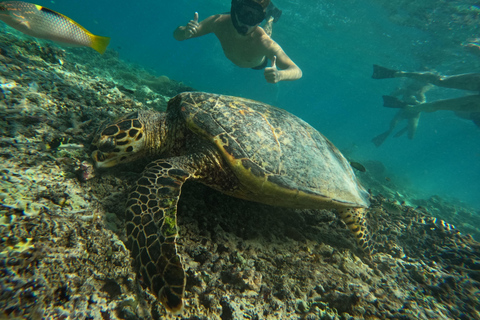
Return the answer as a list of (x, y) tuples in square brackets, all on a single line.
[(335, 44), (62, 224)]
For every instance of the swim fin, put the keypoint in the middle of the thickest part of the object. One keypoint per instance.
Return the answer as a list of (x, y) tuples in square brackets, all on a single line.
[(380, 139), (382, 72), (274, 12), (476, 118), (392, 102)]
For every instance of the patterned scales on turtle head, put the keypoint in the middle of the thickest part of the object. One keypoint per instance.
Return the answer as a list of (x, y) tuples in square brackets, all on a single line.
[(241, 147)]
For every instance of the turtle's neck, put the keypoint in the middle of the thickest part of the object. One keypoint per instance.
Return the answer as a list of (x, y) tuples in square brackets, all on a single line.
[(155, 131), (164, 135)]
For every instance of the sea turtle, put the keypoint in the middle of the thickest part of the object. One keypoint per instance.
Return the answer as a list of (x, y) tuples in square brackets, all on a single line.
[(243, 148)]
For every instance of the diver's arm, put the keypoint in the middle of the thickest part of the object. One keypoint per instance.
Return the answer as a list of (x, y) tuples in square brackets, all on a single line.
[(289, 71), (195, 29)]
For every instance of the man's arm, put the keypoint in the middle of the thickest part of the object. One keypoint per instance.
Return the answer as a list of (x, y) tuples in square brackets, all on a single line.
[(289, 71), (195, 29)]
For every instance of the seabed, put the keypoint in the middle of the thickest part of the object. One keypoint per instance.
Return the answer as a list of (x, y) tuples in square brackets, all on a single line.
[(62, 224)]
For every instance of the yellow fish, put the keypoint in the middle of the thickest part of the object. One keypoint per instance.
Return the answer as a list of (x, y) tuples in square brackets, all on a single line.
[(40, 22)]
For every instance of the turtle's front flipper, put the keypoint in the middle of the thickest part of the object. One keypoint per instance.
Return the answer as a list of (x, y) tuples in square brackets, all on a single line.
[(151, 224), (151, 219), (356, 222)]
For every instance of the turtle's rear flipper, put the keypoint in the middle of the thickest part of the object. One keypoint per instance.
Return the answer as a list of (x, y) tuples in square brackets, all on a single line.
[(380, 139), (393, 102), (356, 222), (151, 225), (273, 12), (382, 72)]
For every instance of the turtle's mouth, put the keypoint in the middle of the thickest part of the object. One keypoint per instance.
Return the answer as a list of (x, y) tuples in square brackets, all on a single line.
[(111, 152), (107, 153), (103, 160), (124, 141)]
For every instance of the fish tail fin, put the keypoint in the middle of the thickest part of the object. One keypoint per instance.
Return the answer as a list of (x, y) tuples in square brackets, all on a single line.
[(382, 72), (393, 102), (99, 43)]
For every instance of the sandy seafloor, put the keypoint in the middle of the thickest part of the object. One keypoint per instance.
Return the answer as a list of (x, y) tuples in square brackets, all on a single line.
[(62, 225)]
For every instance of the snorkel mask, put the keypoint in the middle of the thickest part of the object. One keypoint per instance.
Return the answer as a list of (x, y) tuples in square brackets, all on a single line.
[(245, 14)]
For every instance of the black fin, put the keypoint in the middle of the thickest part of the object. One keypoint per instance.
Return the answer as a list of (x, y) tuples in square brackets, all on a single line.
[(392, 102), (273, 12), (380, 139), (49, 11), (476, 118), (382, 72)]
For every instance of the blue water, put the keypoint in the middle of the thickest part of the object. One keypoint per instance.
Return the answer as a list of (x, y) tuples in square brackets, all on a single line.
[(335, 43)]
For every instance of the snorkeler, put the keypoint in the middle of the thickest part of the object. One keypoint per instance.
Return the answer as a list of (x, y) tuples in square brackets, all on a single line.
[(412, 94), (244, 42), (466, 81), (467, 107), (461, 105)]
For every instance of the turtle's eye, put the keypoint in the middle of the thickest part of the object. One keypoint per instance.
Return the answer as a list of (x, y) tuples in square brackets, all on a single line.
[(107, 144)]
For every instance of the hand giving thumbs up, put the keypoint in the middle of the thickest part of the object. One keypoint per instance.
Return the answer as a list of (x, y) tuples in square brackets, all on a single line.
[(272, 75)]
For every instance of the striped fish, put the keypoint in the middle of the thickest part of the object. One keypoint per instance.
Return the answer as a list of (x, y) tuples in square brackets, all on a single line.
[(41, 22)]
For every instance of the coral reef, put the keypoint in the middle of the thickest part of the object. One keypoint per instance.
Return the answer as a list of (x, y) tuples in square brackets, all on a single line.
[(62, 225), (400, 192)]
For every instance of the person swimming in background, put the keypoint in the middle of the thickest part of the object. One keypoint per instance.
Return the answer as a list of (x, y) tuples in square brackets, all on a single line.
[(467, 107), (414, 103), (412, 94), (244, 42), (43, 23), (466, 81)]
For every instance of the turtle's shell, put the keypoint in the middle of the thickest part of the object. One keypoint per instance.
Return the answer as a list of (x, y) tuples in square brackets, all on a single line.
[(278, 157)]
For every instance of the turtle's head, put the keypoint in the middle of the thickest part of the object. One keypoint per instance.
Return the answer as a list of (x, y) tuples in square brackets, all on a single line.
[(125, 140)]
